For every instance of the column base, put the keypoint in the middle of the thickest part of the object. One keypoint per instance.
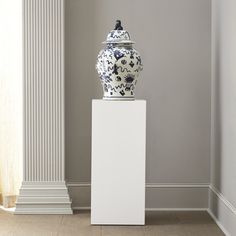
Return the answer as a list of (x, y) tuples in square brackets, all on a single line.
[(43, 198)]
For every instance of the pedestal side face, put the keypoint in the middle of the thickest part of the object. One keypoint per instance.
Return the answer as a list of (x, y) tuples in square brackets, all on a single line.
[(118, 162)]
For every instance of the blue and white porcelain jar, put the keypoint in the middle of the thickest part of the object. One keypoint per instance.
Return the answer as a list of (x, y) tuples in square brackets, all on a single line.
[(118, 65)]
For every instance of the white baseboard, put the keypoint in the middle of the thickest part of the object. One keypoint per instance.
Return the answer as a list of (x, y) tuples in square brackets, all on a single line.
[(176, 209), (43, 198), (88, 208), (222, 211), (150, 185), (218, 223), (221, 197), (184, 196)]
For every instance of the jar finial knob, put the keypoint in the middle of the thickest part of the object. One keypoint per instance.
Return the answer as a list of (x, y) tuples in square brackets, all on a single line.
[(118, 25)]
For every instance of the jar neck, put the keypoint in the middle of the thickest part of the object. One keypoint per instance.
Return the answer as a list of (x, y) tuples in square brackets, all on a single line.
[(119, 45)]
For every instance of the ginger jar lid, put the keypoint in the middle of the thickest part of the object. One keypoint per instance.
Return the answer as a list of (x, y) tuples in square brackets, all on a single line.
[(118, 35)]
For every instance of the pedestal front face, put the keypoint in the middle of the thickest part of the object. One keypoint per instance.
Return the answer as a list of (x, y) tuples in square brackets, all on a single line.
[(118, 162)]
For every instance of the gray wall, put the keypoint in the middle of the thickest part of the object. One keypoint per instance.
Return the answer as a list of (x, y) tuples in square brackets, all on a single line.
[(174, 39), (223, 154)]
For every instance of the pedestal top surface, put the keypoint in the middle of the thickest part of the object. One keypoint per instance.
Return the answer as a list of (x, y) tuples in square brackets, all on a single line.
[(116, 101)]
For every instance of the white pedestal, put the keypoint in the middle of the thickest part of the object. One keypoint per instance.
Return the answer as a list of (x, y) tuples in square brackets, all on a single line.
[(118, 162)]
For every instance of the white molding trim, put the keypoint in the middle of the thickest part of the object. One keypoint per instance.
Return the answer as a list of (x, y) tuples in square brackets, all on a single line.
[(222, 199), (218, 223), (178, 185), (87, 208), (176, 209), (222, 211), (152, 209), (80, 193), (227, 203), (78, 184), (150, 185)]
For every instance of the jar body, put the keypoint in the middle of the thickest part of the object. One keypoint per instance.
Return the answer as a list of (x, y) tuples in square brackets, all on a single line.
[(118, 66)]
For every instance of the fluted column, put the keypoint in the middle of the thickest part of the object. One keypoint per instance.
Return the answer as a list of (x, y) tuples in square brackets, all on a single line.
[(43, 189)]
